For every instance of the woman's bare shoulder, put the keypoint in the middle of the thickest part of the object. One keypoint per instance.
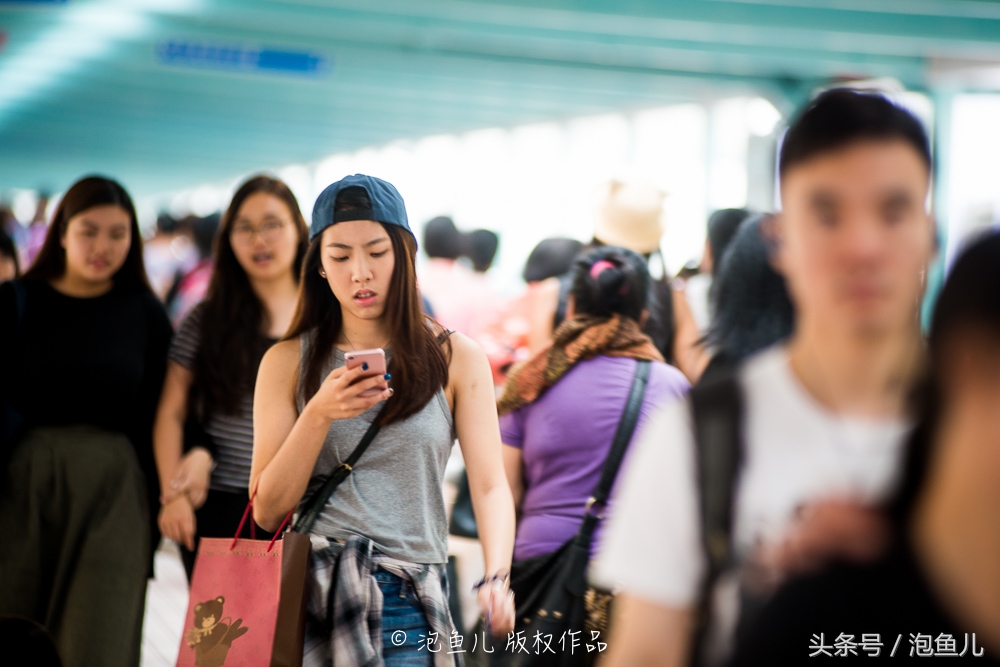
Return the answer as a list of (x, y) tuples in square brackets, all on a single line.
[(282, 357), (467, 356)]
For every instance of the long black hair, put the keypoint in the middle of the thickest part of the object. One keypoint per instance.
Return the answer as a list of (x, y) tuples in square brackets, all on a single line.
[(967, 303), (751, 306), (88, 192)]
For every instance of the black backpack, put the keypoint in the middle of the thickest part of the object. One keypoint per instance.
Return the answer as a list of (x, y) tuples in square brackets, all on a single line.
[(717, 417)]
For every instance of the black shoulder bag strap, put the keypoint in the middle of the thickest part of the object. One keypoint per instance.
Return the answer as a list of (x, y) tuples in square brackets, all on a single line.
[(623, 435), (318, 499), (717, 418), (577, 583)]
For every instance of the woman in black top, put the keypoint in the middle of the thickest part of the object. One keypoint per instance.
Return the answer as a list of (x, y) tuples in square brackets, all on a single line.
[(84, 344), (207, 402)]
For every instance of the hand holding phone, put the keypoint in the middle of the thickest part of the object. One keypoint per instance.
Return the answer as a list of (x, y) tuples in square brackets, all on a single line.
[(372, 363)]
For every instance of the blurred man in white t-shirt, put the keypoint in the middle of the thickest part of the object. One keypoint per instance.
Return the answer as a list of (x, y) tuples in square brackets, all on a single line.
[(825, 415)]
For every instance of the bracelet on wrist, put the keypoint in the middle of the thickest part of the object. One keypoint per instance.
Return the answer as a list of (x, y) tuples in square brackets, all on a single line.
[(502, 577)]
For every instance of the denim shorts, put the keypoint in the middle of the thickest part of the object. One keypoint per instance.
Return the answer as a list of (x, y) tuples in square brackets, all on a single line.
[(405, 630)]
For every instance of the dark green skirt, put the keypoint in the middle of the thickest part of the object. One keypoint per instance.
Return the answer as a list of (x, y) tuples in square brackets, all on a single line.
[(74, 542)]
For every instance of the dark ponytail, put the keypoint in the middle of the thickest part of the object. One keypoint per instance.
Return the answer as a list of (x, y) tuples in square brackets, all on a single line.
[(609, 281)]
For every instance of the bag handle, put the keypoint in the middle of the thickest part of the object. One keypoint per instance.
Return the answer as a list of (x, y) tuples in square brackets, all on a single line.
[(253, 528), (623, 436)]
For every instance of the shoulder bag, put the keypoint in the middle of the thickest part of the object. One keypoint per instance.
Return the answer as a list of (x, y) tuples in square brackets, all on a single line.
[(551, 592)]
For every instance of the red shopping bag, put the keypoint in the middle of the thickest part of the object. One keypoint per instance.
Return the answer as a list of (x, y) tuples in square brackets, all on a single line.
[(247, 603)]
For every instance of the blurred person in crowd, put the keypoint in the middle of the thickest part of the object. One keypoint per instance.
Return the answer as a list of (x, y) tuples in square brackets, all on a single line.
[(191, 288), (507, 335), (14, 229), (481, 248), (213, 364), (722, 227), (560, 410), (9, 265), (37, 229), (938, 586), (84, 344), (386, 524), (752, 307), (168, 256), (630, 216), (445, 281), (824, 417)]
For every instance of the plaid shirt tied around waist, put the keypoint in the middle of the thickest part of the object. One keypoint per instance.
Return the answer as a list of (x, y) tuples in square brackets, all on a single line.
[(344, 621)]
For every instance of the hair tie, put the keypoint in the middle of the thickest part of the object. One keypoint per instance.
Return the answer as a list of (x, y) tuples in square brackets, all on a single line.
[(599, 266)]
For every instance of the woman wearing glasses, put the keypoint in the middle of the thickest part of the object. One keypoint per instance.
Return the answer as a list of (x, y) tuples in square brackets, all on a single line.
[(206, 409)]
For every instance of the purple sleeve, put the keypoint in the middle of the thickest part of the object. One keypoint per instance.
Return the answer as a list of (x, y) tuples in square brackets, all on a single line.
[(512, 428)]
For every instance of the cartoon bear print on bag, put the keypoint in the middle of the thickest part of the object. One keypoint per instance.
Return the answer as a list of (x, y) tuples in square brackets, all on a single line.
[(210, 637)]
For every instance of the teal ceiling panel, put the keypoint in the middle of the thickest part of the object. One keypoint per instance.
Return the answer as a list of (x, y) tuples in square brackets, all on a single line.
[(169, 93)]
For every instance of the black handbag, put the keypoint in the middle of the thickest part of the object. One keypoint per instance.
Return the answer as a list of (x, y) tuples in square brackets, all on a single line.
[(463, 518), (551, 592)]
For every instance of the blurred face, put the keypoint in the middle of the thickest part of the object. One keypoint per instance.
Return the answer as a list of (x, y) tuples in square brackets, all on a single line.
[(264, 237), (97, 241), (855, 238), (8, 269), (358, 261)]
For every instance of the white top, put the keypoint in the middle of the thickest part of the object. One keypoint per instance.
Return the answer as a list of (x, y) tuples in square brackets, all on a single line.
[(796, 452), (697, 289)]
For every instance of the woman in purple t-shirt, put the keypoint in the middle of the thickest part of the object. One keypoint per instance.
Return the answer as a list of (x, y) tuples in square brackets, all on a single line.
[(560, 410)]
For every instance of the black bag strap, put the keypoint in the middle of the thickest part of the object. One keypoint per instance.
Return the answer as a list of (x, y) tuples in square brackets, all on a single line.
[(318, 499), (717, 417), (582, 542), (623, 435), (612, 464)]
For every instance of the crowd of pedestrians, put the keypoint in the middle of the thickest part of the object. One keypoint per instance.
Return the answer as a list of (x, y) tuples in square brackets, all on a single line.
[(803, 472)]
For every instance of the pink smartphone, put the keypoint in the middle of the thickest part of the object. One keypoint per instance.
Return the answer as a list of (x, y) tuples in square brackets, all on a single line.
[(372, 363)]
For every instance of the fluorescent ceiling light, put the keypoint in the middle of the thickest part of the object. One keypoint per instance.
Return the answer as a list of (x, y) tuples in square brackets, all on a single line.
[(86, 31)]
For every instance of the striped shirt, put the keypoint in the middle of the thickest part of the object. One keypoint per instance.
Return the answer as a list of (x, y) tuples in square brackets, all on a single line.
[(232, 435)]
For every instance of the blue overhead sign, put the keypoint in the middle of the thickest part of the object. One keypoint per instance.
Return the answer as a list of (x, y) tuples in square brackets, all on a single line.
[(243, 58)]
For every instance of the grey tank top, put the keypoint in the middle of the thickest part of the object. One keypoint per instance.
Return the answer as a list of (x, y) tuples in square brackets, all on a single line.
[(394, 495)]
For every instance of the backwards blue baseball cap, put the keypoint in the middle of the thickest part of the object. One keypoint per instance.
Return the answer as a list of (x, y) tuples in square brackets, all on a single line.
[(387, 205)]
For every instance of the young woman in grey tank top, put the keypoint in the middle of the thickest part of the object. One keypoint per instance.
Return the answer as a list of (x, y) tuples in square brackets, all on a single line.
[(386, 521)]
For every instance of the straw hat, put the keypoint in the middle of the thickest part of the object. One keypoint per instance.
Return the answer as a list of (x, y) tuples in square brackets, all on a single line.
[(629, 216)]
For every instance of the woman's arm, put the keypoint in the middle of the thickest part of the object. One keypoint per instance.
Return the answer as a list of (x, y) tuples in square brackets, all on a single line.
[(168, 429), (513, 465), (176, 518), (286, 444), (689, 351), (478, 430)]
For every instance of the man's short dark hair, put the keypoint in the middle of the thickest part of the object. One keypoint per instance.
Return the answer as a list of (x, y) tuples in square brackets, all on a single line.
[(442, 239), (839, 117), (722, 227)]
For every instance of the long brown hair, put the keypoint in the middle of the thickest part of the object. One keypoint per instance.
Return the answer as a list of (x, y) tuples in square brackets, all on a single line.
[(232, 315), (419, 366), (88, 192)]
